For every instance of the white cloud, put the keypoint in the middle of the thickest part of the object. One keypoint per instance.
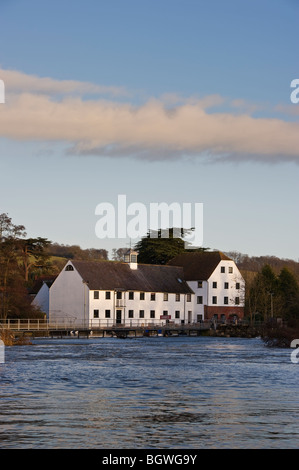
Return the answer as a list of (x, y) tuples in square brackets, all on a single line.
[(149, 131), (20, 82)]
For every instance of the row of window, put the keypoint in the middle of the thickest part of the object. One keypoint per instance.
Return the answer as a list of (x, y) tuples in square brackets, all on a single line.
[(225, 300), (96, 295), (226, 285), (230, 269), (215, 300), (141, 313)]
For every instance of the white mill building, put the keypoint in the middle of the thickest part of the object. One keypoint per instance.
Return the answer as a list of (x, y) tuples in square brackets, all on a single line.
[(191, 288)]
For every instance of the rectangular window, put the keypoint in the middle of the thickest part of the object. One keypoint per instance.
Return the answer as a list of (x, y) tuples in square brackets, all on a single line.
[(177, 314), (199, 284), (118, 295), (214, 300), (152, 314), (165, 296), (237, 285), (222, 269), (165, 312), (131, 295), (141, 295), (177, 297), (141, 313), (96, 294), (108, 295), (107, 313), (188, 297), (199, 299), (225, 300), (214, 285), (131, 314), (237, 301), (230, 269), (95, 314), (153, 296), (226, 285)]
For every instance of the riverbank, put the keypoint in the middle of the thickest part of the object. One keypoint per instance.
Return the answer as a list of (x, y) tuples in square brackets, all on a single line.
[(9, 338), (272, 334), (279, 336), (235, 331)]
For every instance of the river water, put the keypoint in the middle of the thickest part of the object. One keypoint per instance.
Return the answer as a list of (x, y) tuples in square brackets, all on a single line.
[(148, 393)]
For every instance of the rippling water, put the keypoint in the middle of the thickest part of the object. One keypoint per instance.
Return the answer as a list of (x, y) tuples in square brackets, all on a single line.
[(157, 393)]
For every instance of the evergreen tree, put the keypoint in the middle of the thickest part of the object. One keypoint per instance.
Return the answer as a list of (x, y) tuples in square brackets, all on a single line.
[(262, 295), (160, 246), (288, 290)]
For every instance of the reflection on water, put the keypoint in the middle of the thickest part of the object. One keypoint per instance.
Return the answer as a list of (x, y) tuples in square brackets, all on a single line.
[(148, 393)]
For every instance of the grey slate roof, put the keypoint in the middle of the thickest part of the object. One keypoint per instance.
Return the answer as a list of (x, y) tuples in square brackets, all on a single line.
[(110, 275), (198, 266)]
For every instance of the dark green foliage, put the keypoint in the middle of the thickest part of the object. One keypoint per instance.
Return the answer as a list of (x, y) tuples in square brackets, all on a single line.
[(288, 291), (271, 296), (17, 256), (160, 246)]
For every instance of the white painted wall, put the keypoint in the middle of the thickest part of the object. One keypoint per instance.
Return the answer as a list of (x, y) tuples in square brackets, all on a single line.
[(198, 308), (232, 278), (41, 299), (159, 305), (68, 297), (207, 291), (71, 300)]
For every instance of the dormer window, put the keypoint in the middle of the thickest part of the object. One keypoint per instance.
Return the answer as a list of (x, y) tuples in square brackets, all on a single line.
[(69, 268)]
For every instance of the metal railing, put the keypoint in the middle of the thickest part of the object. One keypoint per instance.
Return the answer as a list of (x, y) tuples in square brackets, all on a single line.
[(22, 324), (37, 324)]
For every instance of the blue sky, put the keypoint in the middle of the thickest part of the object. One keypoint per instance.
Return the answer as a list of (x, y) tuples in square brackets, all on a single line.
[(163, 101)]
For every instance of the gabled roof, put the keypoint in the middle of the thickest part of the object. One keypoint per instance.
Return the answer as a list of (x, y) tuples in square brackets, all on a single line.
[(198, 266), (110, 275)]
